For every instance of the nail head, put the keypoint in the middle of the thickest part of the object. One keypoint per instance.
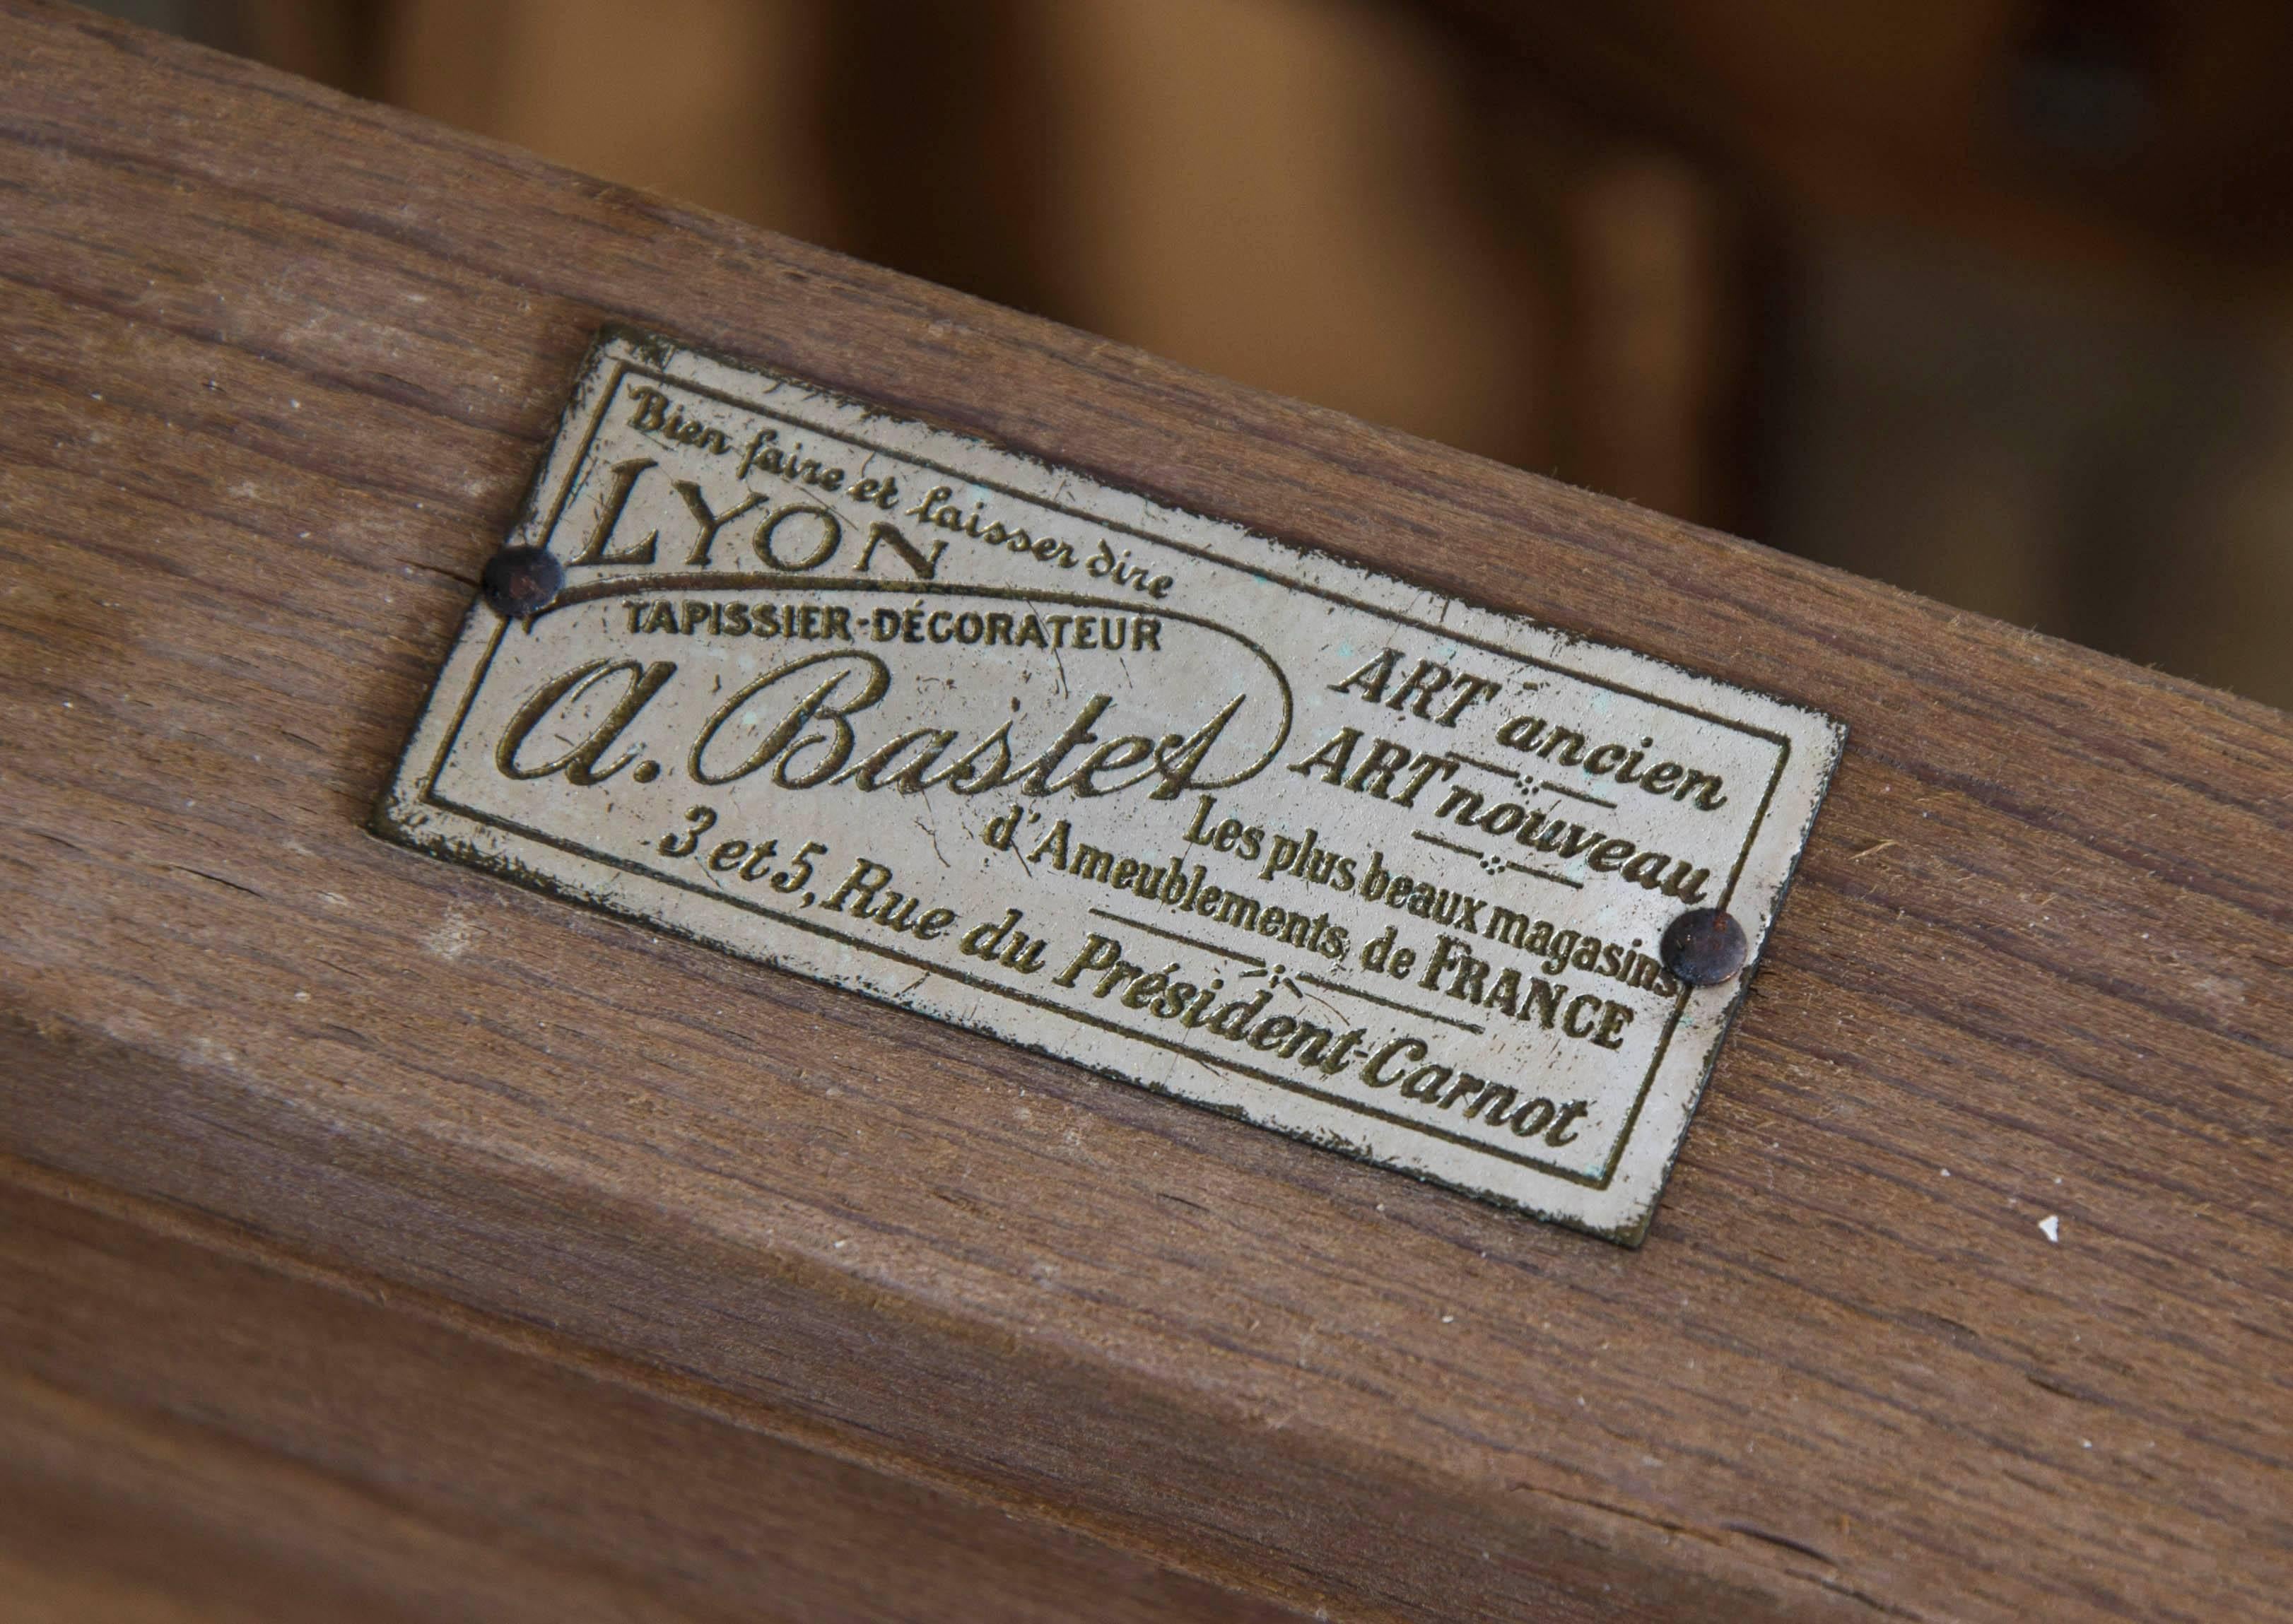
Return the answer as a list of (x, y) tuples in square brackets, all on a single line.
[(1703, 947), (522, 581)]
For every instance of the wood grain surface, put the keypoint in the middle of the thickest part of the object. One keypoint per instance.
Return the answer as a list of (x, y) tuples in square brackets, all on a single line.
[(182, 1420), (607, 1233)]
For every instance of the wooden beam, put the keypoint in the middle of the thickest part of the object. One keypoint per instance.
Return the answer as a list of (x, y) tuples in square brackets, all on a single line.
[(187, 1418), (279, 364)]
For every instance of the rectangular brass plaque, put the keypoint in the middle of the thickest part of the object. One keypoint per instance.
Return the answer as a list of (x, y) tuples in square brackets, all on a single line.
[(1240, 822)]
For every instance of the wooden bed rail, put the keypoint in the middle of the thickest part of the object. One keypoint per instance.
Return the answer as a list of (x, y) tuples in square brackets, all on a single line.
[(383, 1239)]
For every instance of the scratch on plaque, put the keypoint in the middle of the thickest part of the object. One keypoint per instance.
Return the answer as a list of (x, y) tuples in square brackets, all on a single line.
[(1313, 997)]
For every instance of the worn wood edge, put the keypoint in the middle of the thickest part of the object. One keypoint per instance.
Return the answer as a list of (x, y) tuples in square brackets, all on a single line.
[(288, 1320), (1572, 1552)]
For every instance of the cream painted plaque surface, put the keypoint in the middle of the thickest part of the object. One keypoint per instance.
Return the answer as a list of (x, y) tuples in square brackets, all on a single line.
[(894, 708)]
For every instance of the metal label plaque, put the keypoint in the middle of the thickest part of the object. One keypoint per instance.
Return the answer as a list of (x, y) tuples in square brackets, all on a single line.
[(1238, 821)]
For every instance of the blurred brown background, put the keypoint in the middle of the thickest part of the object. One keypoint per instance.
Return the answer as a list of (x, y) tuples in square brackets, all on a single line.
[(1990, 298)]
